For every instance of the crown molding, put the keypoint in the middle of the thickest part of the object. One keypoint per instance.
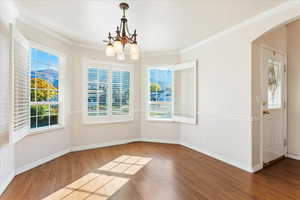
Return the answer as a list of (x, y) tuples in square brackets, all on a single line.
[(65, 40), (8, 13), (160, 53), (281, 7), (30, 23)]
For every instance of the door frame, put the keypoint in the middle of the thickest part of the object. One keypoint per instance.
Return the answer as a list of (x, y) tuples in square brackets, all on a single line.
[(262, 47)]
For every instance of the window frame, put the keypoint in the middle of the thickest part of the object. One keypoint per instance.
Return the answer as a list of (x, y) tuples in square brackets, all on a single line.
[(110, 66), (60, 103), (174, 67)]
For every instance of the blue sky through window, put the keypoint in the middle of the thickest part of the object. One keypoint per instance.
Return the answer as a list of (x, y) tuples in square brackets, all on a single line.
[(44, 88), (163, 79), (44, 66)]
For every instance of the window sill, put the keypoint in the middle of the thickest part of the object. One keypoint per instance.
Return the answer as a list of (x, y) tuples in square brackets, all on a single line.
[(108, 122), (46, 129), (160, 120)]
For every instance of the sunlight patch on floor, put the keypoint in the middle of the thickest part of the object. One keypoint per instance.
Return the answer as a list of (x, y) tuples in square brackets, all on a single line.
[(95, 186), (91, 187), (125, 164)]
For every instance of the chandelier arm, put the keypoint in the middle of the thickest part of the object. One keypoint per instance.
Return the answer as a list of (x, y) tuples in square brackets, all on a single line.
[(127, 29)]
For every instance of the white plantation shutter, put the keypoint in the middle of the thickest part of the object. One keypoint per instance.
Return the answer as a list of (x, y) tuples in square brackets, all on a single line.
[(120, 92), (19, 86), (185, 85), (108, 92)]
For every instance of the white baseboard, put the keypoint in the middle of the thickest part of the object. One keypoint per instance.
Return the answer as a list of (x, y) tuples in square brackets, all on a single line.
[(125, 141), (166, 141), (87, 147), (41, 161), (104, 144), (293, 156), (256, 168), (220, 157), (6, 182)]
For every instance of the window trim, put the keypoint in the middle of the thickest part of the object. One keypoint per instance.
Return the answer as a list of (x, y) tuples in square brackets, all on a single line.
[(61, 79), (173, 67), (88, 120)]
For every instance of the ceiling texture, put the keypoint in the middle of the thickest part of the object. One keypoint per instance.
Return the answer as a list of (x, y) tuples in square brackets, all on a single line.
[(162, 25)]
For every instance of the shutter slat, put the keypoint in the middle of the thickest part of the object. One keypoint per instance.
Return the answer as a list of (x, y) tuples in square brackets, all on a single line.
[(20, 85)]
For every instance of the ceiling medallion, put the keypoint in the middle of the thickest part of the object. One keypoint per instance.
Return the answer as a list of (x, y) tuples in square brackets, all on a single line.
[(116, 44)]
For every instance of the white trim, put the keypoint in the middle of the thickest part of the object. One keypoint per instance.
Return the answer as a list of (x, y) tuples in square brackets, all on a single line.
[(6, 182), (109, 122), (160, 53), (104, 144), (45, 129), (164, 141), (257, 168), (8, 12), (77, 43), (126, 141), (220, 157), (41, 161), (30, 23), (258, 17), (293, 156)]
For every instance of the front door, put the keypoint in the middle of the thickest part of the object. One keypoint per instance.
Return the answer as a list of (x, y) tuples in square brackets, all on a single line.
[(273, 106)]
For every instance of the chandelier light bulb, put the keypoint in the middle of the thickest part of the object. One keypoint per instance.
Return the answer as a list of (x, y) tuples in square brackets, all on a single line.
[(118, 46), (135, 56), (134, 49), (110, 51)]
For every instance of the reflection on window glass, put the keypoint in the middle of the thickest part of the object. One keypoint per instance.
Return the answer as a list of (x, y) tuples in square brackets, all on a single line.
[(44, 89), (120, 93), (97, 92), (160, 83), (99, 81), (274, 84)]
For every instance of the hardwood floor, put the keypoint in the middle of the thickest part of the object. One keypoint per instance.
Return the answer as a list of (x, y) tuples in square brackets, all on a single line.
[(175, 173)]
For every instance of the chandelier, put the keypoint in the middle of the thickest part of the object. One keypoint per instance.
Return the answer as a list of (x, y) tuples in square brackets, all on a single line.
[(116, 44)]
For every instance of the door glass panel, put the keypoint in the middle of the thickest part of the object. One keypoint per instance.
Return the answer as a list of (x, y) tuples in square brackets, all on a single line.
[(274, 84)]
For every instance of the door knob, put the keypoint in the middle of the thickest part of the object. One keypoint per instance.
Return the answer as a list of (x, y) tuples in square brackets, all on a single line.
[(266, 112)]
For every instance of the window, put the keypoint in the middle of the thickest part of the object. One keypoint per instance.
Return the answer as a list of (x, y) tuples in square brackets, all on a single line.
[(172, 93), (45, 101), (109, 95), (97, 92), (275, 70), (160, 93)]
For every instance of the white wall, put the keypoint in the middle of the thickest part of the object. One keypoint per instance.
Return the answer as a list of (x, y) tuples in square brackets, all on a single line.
[(38, 146), (96, 134), (294, 89), (6, 149), (155, 130), (225, 85)]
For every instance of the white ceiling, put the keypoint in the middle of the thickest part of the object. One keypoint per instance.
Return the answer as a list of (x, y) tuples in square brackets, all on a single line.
[(162, 25)]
